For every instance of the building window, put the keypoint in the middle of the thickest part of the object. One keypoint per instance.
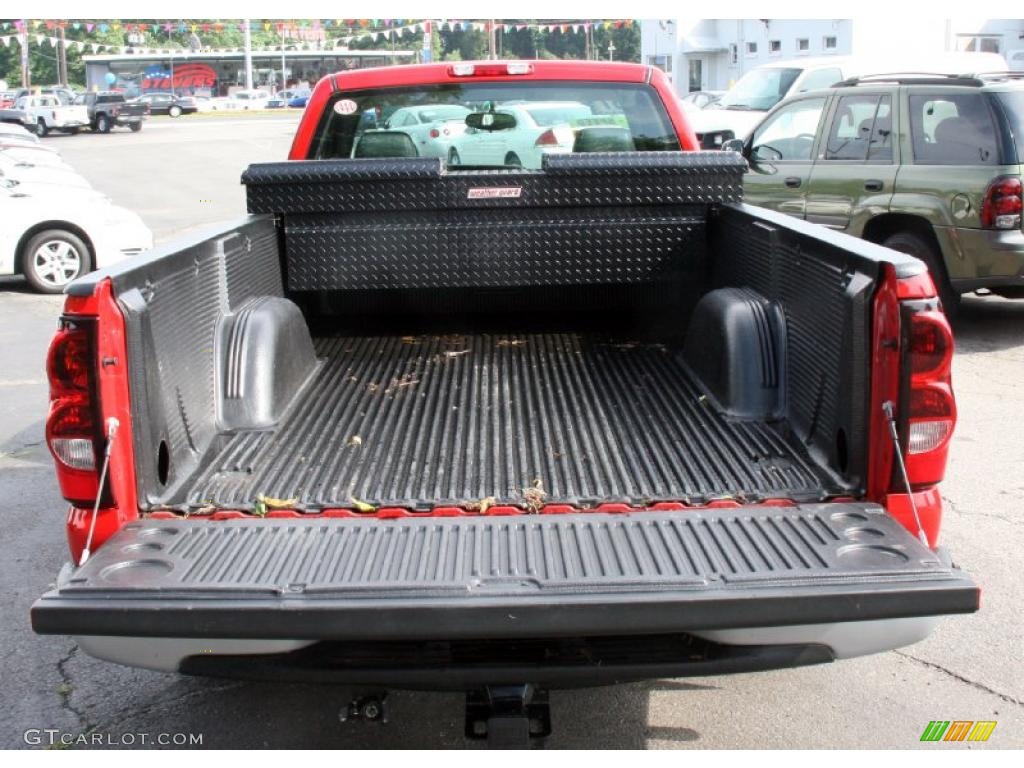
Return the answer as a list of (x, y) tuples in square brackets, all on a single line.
[(735, 51), (803, 44), (751, 49), (774, 47), (664, 63), (829, 43), (978, 43)]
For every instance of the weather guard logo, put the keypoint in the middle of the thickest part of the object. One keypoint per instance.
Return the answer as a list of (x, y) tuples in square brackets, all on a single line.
[(958, 730), (491, 193)]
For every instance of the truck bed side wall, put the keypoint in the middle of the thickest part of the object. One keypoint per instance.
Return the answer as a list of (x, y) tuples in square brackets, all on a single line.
[(173, 303), (824, 284)]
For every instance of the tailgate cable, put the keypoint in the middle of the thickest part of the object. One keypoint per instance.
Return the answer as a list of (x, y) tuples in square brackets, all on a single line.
[(112, 425), (887, 407)]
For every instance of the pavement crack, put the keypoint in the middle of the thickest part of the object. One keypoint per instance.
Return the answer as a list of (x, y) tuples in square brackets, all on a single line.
[(956, 510), (974, 684), (66, 688)]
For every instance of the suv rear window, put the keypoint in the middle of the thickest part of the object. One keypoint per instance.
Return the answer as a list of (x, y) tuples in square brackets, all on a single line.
[(952, 129), (515, 123), (1012, 103)]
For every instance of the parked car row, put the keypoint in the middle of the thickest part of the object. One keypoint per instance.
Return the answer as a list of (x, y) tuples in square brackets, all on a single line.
[(54, 227)]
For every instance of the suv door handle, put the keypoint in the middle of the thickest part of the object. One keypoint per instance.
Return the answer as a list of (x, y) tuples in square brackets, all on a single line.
[(793, 181), (873, 185)]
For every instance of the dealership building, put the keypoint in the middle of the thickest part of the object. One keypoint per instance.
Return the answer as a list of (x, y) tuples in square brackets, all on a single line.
[(218, 73), (712, 54)]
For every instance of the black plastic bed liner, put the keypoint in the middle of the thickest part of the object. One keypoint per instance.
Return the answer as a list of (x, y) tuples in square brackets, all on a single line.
[(549, 575), (423, 421)]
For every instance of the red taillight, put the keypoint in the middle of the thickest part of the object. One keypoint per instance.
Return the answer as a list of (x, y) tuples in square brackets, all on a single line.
[(1003, 204), (67, 364), (931, 411), (547, 139), (71, 427), (434, 133), (931, 345)]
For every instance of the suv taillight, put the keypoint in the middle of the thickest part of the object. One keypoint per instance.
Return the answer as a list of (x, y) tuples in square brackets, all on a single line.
[(1003, 204), (72, 426)]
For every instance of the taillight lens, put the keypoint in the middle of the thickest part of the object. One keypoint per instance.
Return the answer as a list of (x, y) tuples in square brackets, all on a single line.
[(547, 139), (931, 412), (68, 364), (931, 419), (69, 432), (931, 345), (1003, 204), (434, 133), (72, 433)]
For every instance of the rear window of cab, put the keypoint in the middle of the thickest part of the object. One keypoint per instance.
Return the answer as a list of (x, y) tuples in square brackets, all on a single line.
[(494, 124)]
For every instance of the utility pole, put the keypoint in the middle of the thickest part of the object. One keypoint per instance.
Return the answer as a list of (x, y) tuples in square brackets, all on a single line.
[(284, 72), (62, 57), (491, 41), (26, 79), (248, 56)]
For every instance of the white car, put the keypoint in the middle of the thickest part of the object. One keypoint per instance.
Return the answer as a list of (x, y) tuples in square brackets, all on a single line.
[(54, 234), (432, 127), (27, 172), (14, 132), (247, 100), (537, 128), (37, 154)]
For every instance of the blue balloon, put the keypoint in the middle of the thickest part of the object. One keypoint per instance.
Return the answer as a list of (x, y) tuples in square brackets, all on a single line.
[(111, 78)]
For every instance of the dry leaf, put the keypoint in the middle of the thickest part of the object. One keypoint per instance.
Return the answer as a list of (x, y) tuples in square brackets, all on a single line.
[(354, 442), (271, 503), (535, 496), (362, 506), (483, 505)]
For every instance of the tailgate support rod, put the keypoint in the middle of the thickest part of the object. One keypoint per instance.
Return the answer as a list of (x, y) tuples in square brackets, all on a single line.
[(112, 425), (894, 434)]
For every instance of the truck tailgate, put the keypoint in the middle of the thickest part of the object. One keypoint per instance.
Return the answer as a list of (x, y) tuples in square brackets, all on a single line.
[(504, 576)]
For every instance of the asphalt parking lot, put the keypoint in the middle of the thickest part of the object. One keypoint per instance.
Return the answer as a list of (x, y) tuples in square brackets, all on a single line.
[(181, 174)]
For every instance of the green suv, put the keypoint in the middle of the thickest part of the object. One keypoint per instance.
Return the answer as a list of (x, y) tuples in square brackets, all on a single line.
[(925, 164)]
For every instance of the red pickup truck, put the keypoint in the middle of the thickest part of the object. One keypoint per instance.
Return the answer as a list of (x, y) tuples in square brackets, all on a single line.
[(499, 388)]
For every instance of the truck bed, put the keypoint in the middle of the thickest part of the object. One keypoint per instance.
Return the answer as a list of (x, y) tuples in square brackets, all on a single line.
[(454, 419)]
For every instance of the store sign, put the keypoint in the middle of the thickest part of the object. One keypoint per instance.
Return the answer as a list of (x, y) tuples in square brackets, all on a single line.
[(187, 75)]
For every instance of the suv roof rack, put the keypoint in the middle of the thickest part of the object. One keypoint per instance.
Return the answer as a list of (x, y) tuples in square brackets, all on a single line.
[(913, 78), (969, 79)]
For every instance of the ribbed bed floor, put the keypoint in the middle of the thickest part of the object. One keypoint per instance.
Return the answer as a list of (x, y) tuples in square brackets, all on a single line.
[(437, 420)]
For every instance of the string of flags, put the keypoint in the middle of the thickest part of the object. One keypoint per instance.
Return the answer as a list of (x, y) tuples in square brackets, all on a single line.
[(22, 25), (78, 45), (379, 29)]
